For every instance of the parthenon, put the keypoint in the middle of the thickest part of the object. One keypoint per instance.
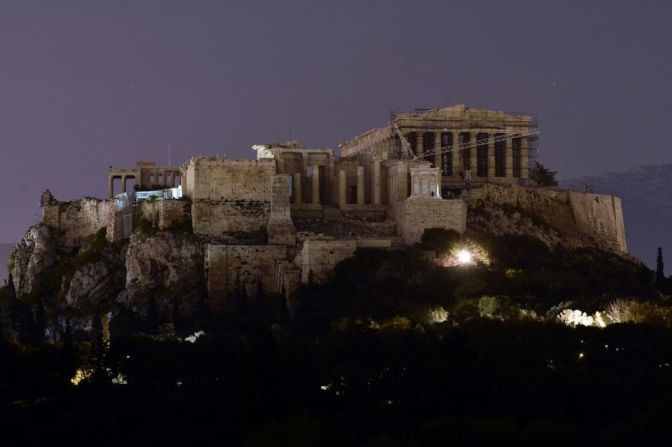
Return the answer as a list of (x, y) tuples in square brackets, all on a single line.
[(464, 143)]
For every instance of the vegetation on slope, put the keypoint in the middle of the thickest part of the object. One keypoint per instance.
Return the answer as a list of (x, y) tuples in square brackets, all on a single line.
[(361, 362)]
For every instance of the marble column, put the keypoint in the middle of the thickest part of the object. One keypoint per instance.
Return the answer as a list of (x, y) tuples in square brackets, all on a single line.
[(316, 185), (508, 158), (438, 151), (329, 181), (491, 155), (123, 183), (342, 200), (360, 185), (110, 186), (456, 154), (304, 177), (297, 189), (376, 182), (524, 158), (473, 162)]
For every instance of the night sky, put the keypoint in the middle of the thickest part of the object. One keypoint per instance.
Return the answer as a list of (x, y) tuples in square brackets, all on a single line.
[(87, 84)]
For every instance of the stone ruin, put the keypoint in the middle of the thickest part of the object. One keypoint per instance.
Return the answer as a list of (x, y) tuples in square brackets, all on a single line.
[(291, 214)]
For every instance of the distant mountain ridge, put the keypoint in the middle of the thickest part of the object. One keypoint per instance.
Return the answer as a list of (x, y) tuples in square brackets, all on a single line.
[(646, 194), (5, 250)]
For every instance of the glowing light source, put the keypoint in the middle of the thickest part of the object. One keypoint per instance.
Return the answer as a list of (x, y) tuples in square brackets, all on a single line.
[(465, 257), (80, 375), (194, 337)]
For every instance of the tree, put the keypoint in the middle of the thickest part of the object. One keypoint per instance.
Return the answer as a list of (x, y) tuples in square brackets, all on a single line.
[(542, 175), (39, 322), (97, 344), (68, 350), (152, 318), (660, 269)]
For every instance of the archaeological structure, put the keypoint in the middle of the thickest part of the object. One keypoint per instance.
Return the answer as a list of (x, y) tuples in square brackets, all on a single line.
[(291, 214)]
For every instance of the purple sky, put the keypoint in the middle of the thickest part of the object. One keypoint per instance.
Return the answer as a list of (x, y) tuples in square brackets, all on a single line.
[(86, 84)]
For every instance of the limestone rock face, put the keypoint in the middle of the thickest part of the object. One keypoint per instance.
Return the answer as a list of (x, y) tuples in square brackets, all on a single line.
[(166, 266), (93, 282), (555, 216), (33, 255)]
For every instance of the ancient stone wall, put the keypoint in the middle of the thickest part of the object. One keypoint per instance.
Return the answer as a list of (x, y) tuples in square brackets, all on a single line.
[(418, 213), (163, 213), (216, 218), (222, 179), (281, 230), (581, 218), (229, 268), (600, 217), (80, 219), (319, 257)]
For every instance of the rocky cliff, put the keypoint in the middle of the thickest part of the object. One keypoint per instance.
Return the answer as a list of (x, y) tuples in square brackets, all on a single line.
[(647, 205), (555, 216), (95, 273), (168, 269)]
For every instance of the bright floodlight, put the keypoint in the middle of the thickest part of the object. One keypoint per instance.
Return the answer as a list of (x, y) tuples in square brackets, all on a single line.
[(464, 257)]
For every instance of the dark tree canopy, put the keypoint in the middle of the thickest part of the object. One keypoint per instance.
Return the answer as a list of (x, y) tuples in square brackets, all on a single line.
[(542, 175), (660, 269)]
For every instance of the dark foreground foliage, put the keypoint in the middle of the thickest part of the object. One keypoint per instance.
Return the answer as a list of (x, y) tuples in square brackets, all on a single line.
[(485, 383), (356, 362)]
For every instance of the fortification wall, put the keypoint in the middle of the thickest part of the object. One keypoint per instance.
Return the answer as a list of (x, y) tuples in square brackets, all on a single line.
[(418, 213), (580, 218), (163, 213), (319, 257), (80, 219), (222, 179), (281, 230), (600, 217), (230, 267), (216, 218)]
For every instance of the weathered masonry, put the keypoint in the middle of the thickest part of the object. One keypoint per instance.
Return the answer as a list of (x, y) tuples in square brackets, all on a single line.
[(293, 213), (466, 144)]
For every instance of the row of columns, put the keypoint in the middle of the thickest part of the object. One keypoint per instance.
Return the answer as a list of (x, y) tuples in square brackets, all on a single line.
[(123, 183), (315, 187), (162, 177), (342, 186), (457, 155)]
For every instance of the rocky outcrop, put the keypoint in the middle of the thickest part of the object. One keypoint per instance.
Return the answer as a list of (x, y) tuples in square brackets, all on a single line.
[(496, 220), (647, 205), (166, 266), (555, 216), (33, 255), (98, 279)]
